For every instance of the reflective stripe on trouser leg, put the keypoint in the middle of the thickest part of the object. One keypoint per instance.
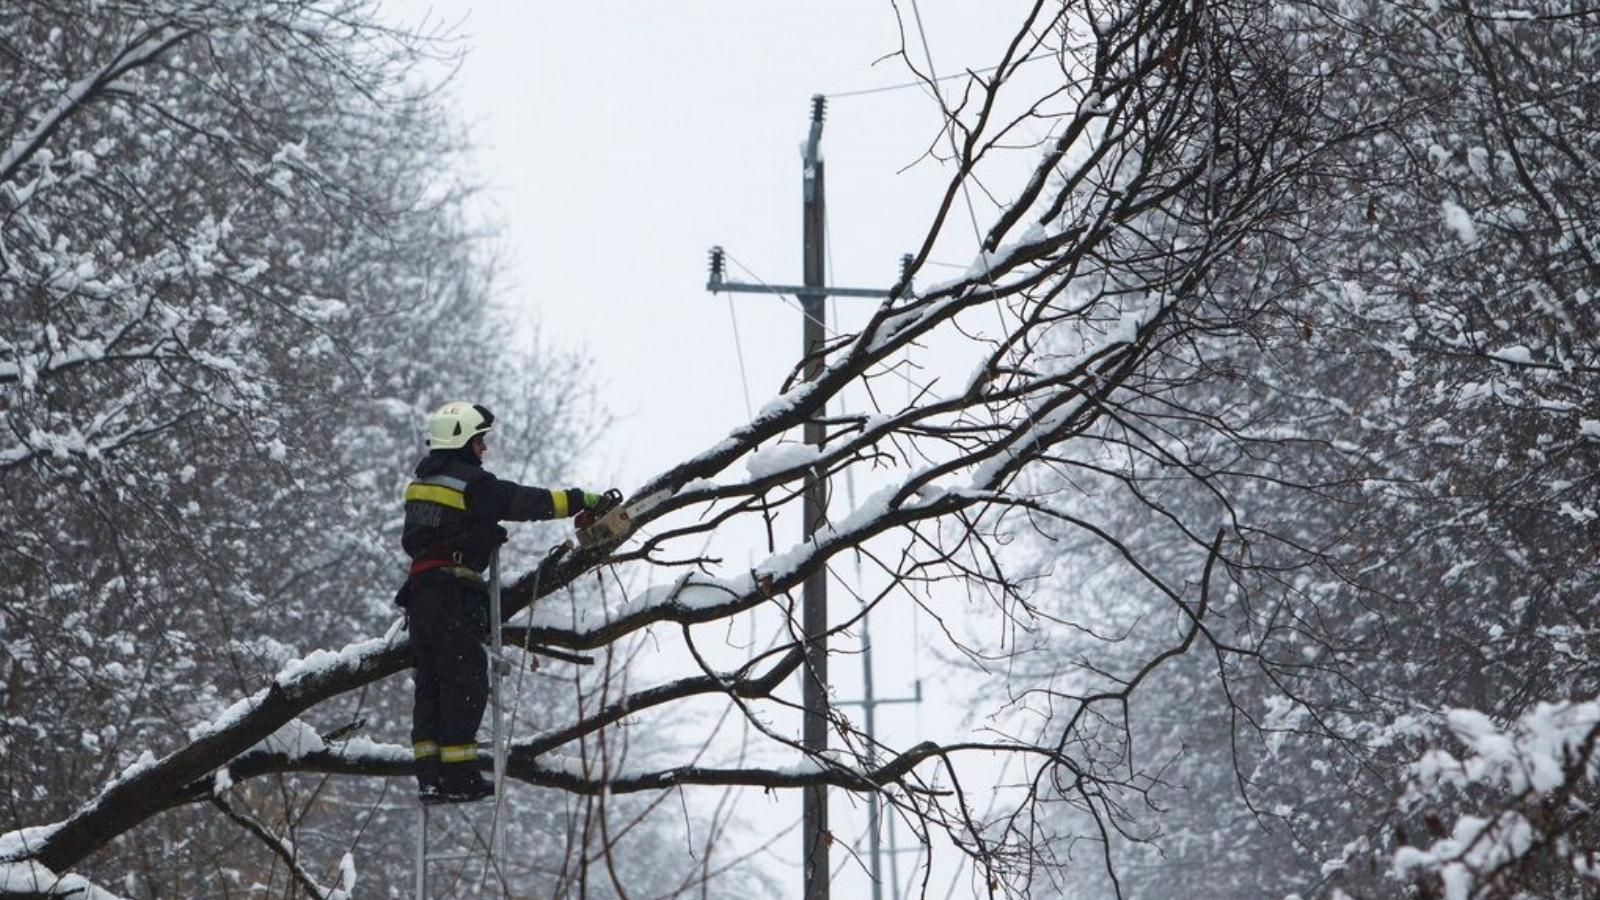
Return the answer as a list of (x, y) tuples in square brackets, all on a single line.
[(458, 753), (424, 749)]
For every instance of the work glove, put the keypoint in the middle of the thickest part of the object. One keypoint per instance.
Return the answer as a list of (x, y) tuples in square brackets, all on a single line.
[(592, 503)]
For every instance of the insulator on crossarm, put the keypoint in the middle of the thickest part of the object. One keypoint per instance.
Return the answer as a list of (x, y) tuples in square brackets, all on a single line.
[(716, 266), (819, 106), (904, 283)]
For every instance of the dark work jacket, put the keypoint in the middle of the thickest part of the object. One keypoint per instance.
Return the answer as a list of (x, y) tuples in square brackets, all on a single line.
[(453, 506)]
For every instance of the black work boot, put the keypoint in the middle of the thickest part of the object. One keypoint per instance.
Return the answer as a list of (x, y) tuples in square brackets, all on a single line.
[(427, 770), (462, 783)]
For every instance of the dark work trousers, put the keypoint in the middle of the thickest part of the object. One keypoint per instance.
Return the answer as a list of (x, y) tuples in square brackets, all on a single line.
[(449, 622)]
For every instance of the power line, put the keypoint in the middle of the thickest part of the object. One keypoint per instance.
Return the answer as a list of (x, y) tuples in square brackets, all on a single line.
[(885, 367), (923, 83), (781, 296), (950, 131), (966, 192), (738, 344)]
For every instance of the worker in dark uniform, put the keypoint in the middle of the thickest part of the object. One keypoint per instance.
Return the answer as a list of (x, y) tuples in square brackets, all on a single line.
[(453, 511)]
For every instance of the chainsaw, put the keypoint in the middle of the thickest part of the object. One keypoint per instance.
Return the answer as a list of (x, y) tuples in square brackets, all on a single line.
[(611, 520)]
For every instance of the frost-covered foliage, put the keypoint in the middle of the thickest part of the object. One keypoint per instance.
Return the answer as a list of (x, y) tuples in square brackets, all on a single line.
[(235, 271), (1473, 550), (1294, 365), (1406, 445), (1517, 801), (220, 259), (1481, 352), (1182, 138)]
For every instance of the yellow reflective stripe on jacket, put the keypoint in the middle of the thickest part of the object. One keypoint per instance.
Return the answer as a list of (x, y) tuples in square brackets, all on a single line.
[(424, 749), (558, 503), (458, 753), (433, 493)]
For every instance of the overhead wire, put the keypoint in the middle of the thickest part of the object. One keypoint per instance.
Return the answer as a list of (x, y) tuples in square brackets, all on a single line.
[(949, 118), (821, 323), (519, 687), (931, 82), (738, 345), (924, 84), (950, 132), (972, 217), (910, 382), (781, 295)]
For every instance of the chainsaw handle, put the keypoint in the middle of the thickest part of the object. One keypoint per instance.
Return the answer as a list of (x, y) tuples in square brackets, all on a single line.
[(587, 517)]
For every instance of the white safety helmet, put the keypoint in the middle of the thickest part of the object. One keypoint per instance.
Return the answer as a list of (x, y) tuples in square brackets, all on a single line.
[(456, 424)]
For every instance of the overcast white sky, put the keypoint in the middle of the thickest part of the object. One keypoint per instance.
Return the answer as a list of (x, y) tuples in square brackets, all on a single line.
[(618, 141)]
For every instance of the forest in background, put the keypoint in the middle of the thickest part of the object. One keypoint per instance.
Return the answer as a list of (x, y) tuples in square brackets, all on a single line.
[(1279, 474)]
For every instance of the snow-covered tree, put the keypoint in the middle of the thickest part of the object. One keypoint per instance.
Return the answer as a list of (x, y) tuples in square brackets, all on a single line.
[(235, 271), (1407, 442), (1294, 354), (1517, 795), (1180, 135)]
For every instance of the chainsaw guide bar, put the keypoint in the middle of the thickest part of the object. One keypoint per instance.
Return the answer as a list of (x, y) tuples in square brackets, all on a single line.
[(613, 520)]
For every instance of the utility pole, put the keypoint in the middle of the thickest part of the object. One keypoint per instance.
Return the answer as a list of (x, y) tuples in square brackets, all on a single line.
[(869, 704), (813, 294), (815, 592)]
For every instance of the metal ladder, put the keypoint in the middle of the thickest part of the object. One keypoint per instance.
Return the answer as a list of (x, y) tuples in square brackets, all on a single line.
[(495, 848)]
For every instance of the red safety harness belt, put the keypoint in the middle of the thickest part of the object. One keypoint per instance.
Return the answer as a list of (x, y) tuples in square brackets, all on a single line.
[(429, 563)]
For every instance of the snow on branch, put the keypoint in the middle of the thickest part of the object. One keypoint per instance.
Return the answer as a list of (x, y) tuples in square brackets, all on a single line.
[(1529, 773), (32, 880), (141, 51), (363, 758), (152, 784), (1125, 219)]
